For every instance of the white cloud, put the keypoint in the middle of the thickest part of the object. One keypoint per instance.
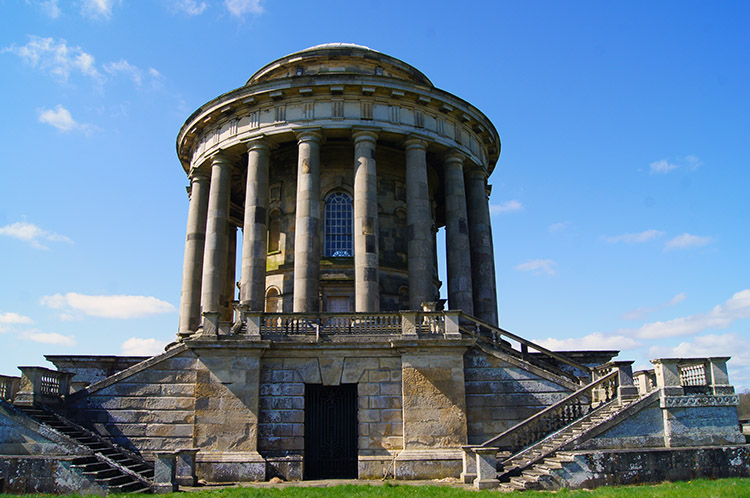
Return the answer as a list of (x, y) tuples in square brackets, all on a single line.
[(56, 57), (635, 238), (693, 161), (122, 307), (722, 316), (639, 313), (709, 345), (13, 318), (597, 340), (124, 67), (506, 207), (97, 9), (559, 227), (32, 234), (241, 7), (686, 241), (61, 119), (136, 346), (47, 338), (662, 167), (10, 318), (189, 7), (49, 7), (538, 266)]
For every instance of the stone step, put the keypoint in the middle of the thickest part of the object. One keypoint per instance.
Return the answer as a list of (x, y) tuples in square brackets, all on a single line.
[(102, 474), (117, 480)]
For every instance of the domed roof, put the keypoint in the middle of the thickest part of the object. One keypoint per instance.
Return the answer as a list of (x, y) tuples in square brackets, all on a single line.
[(338, 59)]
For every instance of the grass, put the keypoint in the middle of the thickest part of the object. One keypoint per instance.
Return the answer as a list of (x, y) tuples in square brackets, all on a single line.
[(701, 488)]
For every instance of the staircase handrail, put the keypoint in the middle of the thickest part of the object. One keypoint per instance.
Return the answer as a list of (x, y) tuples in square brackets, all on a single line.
[(524, 342), (570, 404)]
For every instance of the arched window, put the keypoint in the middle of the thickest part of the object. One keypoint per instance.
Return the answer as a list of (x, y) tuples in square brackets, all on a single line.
[(338, 235), (274, 231), (273, 301)]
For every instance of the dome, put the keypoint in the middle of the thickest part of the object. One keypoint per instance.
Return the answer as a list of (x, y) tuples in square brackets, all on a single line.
[(338, 59)]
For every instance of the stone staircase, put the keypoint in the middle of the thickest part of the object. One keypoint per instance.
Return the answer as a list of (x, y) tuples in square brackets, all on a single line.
[(112, 467), (532, 467)]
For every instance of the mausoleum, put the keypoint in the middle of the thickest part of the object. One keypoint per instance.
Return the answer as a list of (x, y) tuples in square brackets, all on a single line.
[(325, 179)]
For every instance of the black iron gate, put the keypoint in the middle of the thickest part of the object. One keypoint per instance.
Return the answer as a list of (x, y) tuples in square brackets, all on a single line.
[(330, 431)]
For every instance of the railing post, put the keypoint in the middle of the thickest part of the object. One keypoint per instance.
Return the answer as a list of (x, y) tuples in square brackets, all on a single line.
[(469, 470), (643, 380), (451, 324), (252, 324), (626, 389), (185, 467), (165, 472), (486, 468), (718, 375), (668, 376), (409, 324)]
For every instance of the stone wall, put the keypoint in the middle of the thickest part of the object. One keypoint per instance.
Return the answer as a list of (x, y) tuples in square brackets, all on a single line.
[(377, 373), (21, 435), (644, 429), (638, 466), (149, 410), (43, 474), (499, 395)]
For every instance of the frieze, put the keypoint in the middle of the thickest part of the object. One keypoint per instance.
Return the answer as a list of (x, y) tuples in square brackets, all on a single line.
[(699, 401)]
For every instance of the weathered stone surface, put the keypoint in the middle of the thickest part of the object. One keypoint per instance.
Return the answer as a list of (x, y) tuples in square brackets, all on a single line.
[(645, 465), (44, 474)]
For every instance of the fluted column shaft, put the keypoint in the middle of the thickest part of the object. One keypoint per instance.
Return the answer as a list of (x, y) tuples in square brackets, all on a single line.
[(482, 254), (255, 232), (216, 252), (192, 267), (307, 224), (419, 234), (366, 263), (457, 236)]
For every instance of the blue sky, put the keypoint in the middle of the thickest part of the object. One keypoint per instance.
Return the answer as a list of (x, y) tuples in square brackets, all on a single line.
[(620, 201)]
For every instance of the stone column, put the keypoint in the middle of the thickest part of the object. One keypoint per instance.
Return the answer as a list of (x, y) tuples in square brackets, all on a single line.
[(457, 235), (419, 234), (307, 224), (482, 254), (230, 279), (216, 252), (255, 232), (192, 267), (365, 226)]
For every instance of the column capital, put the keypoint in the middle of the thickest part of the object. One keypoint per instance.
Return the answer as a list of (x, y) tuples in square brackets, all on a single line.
[(360, 134), (454, 156), (309, 135), (475, 171), (198, 174), (220, 157), (416, 141), (258, 143)]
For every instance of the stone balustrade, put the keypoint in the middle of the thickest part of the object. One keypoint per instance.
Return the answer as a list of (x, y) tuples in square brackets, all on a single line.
[(9, 387), (42, 385), (685, 376)]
